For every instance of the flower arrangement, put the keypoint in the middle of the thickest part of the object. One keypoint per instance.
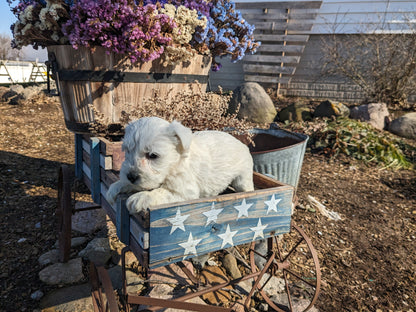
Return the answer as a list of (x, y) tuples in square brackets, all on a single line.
[(143, 30)]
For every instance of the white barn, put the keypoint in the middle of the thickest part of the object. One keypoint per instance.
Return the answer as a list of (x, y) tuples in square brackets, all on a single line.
[(330, 17)]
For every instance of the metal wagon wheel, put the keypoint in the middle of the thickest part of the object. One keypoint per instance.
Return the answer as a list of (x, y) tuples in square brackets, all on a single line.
[(64, 213), (295, 266)]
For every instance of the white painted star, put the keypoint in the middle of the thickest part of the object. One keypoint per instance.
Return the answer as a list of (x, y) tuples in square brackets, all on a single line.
[(227, 237), (258, 230), (190, 245), (177, 221), (243, 209), (272, 204), (212, 215)]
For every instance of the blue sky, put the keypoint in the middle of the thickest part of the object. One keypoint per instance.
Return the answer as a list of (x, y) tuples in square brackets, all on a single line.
[(6, 19)]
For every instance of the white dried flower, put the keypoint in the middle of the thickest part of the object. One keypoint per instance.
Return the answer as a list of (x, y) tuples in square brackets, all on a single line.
[(55, 37), (25, 29)]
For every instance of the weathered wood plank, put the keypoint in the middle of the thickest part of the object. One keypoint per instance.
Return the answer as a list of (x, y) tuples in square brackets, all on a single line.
[(140, 235), (272, 58), (256, 15), (109, 148), (123, 220), (105, 161), (78, 156), (95, 170), (281, 48), (272, 26), (280, 5), (268, 69), (108, 177), (181, 231), (280, 38), (267, 79)]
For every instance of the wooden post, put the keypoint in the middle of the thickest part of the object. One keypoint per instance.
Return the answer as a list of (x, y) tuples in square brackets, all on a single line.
[(95, 171)]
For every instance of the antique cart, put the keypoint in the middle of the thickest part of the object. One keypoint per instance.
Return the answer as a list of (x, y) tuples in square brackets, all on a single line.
[(173, 233)]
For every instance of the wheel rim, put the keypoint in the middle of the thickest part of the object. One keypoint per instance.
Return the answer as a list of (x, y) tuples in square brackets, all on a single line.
[(295, 265)]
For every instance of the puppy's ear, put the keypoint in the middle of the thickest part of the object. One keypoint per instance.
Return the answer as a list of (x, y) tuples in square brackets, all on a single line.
[(183, 134)]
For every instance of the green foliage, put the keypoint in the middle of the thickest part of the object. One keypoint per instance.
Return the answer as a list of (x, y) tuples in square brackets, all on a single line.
[(356, 139)]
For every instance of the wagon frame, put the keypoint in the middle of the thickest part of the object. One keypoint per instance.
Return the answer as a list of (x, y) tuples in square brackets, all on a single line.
[(98, 161)]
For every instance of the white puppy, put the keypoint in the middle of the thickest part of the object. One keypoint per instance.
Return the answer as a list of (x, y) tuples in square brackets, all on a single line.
[(165, 162)]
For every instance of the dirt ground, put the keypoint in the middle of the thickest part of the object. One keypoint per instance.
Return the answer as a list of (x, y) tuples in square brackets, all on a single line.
[(368, 259)]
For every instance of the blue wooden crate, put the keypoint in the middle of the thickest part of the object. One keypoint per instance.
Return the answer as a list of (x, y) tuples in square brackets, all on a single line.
[(174, 232), (179, 231)]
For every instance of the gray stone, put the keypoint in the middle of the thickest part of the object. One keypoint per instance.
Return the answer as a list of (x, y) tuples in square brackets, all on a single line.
[(376, 114), (331, 108), (274, 284), (30, 92), (165, 291), (255, 104), (52, 256), (37, 295), (295, 112), (261, 248), (78, 241), (230, 264), (88, 221), (404, 126), (13, 95), (98, 251), (135, 282), (68, 299), (62, 273), (200, 261)]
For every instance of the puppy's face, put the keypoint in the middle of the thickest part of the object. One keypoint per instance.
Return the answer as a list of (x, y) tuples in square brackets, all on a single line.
[(153, 148)]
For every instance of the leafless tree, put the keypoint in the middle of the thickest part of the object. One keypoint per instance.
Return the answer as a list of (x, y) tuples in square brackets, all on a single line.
[(382, 63), (6, 51)]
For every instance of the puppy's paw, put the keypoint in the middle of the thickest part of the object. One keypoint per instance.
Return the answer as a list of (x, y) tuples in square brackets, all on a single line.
[(112, 192), (139, 201)]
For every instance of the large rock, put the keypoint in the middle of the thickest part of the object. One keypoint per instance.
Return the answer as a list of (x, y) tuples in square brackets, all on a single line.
[(88, 221), (331, 108), (98, 251), (376, 114), (404, 126), (255, 104), (295, 112), (62, 273)]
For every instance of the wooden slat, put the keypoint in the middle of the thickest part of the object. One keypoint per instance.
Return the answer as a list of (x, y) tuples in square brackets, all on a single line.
[(140, 235), (95, 170), (273, 26), (267, 79), (109, 148), (253, 16), (108, 177), (78, 155), (122, 220), (272, 59), (288, 38), (281, 48), (268, 69), (280, 5)]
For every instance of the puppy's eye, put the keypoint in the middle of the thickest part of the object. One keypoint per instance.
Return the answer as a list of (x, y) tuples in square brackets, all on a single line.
[(151, 155)]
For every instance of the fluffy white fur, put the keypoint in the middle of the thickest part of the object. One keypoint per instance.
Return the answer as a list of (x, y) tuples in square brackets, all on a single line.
[(165, 162)]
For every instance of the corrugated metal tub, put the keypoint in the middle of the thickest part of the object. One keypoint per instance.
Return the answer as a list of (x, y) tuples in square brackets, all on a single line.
[(279, 153)]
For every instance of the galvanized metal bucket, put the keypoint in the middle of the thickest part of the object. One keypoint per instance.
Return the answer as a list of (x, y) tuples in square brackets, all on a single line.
[(279, 153)]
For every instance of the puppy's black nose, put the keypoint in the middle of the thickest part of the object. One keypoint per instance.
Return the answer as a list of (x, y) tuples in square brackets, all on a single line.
[(132, 177)]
